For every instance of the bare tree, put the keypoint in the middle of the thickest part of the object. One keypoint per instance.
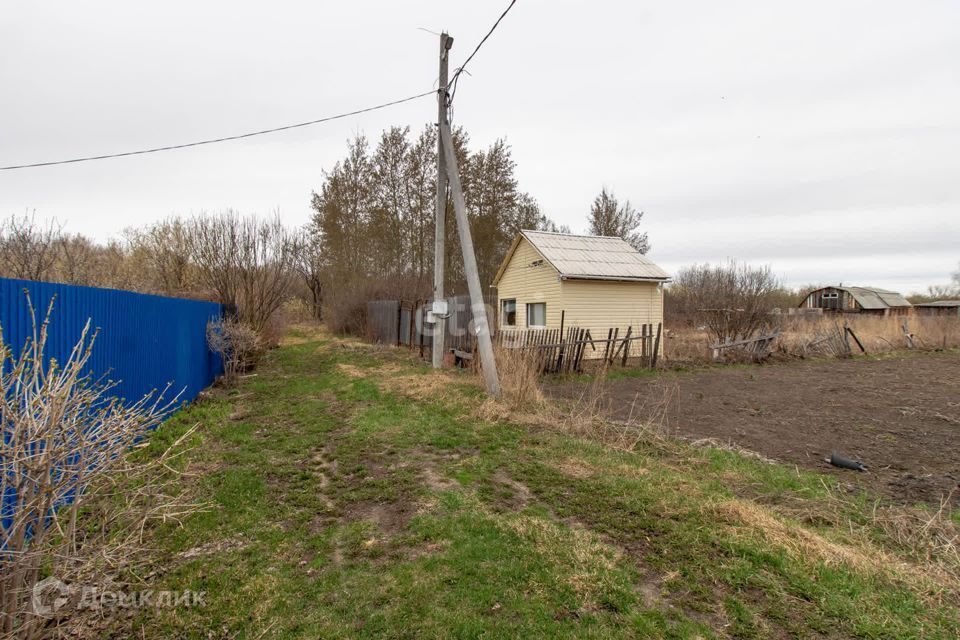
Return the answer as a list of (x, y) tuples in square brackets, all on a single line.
[(308, 262), (164, 248), (421, 188), (246, 261), (28, 249), (114, 264), (77, 260), (609, 218), (375, 211), (733, 300)]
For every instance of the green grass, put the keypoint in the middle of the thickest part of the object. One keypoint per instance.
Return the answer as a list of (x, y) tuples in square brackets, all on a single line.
[(344, 508)]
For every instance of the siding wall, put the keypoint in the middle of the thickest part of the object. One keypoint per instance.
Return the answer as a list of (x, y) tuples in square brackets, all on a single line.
[(527, 284), (599, 305)]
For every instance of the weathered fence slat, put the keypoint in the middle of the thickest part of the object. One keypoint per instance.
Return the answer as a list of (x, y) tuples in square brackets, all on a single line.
[(626, 346), (656, 347)]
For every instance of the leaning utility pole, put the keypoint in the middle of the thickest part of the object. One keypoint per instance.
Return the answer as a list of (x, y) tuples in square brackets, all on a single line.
[(487, 360), (439, 233)]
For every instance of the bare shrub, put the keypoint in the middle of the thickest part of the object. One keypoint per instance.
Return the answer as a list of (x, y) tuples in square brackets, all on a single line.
[(309, 263), (76, 261), (28, 249), (164, 249), (733, 300), (297, 311), (237, 344), (246, 261), (114, 267), (63, 435)]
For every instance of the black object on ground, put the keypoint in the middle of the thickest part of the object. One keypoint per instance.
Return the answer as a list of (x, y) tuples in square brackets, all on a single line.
[(846, 463)]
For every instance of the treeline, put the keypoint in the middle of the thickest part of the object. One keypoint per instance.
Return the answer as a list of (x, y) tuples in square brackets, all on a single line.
[(373, 220), (248, 263), (371, 235)]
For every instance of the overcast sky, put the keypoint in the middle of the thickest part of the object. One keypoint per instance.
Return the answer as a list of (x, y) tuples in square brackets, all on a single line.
[(822, 138)]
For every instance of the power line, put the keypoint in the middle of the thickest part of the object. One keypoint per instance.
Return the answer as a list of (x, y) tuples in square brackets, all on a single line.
[(225, 139), (456, 75)]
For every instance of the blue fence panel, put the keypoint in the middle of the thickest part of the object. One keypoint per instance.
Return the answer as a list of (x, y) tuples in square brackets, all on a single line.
[(145, 341)]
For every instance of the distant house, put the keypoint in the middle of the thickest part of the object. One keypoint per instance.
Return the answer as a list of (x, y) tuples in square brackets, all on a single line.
[(857, 300), (593, 282), (938, 308)]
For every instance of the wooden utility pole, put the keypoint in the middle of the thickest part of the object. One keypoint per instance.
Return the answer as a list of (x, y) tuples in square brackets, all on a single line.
[(439, 231), (487, 360)]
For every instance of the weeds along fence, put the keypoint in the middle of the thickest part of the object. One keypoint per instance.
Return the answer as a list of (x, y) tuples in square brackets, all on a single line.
[(86, 373), (827, 335), (568, 350), (563, 350), (144, 341)]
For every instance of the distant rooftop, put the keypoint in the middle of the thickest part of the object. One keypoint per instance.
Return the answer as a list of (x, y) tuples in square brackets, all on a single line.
[(874, 298), (939, 303), (591, 257)]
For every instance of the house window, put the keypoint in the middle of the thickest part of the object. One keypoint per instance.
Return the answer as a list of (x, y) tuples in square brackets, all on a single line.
[(537, 314), (508, 312), (830, 295)]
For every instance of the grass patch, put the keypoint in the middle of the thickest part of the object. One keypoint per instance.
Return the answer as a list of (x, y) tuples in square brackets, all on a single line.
[(356, 493)]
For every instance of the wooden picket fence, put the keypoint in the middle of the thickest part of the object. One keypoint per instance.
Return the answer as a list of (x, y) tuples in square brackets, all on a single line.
[(565, 351)]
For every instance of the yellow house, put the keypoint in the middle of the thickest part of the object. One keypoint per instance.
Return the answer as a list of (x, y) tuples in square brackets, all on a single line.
[(594, 282)]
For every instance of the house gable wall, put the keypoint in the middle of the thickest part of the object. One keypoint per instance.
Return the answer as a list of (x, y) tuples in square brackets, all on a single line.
[(528, 278)]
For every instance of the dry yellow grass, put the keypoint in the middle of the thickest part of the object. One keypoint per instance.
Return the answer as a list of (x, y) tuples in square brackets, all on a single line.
[(759, 523), (808, 336)]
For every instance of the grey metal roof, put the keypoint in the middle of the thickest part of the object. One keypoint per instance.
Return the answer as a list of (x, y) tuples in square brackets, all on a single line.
[(593, 257), (939, 303), (873, 298)]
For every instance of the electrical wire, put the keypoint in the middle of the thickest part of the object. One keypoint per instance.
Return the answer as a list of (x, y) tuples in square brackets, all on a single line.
[(224, 139), (456, 76), (451, 92)]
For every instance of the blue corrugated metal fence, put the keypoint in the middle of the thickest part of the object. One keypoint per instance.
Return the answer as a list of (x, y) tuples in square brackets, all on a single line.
[(145, 341)]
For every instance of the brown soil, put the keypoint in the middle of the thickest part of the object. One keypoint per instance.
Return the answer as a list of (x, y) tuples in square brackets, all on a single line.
[(900, 416)]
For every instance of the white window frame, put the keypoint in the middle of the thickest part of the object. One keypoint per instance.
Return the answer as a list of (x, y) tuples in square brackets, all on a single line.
[(503, 313), (529, 308)]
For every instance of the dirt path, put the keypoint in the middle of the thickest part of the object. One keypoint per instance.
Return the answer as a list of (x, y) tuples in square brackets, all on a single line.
[(900, 416)]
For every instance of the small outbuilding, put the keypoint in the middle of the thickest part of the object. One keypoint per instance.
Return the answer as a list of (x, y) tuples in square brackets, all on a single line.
[(857, 300), (593, 282), (949, 308)]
